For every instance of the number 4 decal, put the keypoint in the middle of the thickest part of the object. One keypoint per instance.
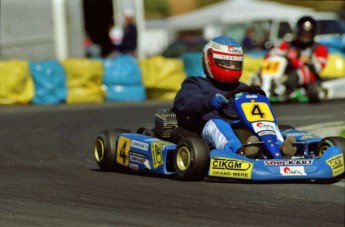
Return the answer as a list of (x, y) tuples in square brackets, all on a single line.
[(257, 111), (122, 150)]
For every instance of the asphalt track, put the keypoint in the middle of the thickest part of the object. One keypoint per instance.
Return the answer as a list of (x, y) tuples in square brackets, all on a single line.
[(48, 176)]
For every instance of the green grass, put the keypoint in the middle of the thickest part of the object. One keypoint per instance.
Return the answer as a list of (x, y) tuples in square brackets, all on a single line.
[(342, 133)]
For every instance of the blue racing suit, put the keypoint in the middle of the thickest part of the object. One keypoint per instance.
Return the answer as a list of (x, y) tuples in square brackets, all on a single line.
[(194, 111)]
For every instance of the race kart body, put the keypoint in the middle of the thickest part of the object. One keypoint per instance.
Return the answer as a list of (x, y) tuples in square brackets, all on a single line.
[(168, 149), (272, 75)]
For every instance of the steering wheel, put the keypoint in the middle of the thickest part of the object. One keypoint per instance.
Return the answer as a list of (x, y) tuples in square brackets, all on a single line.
[(254, 89)]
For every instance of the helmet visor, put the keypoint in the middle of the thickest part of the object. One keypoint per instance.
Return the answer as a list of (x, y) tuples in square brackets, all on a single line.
[(305, 37), (228, 61)]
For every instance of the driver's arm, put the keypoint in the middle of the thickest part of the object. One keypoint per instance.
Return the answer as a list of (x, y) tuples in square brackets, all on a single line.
[(192, 99), (318, 59)]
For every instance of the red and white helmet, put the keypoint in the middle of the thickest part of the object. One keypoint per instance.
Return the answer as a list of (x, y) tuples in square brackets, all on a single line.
[(223, 59)]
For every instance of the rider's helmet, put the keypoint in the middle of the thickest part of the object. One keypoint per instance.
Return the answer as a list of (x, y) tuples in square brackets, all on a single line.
[(223, 59), (306, 29)]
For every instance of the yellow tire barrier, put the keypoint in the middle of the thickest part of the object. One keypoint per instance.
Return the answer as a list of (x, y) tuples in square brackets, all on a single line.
[(84, 80), (16, 83), (162, 77), (335, 66)]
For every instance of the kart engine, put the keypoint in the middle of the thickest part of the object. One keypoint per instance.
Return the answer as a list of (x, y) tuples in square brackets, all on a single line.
[(165, 123)]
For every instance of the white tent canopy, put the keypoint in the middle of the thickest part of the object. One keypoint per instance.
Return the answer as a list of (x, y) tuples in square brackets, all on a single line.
[(234, 11)]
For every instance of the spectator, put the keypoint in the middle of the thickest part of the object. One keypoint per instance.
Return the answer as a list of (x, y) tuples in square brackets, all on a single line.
[(248, 42), (92, 50), (129, 40), (97, 17)]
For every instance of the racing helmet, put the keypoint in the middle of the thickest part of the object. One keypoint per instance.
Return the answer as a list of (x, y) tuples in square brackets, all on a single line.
[(306, 29), (223, 59)]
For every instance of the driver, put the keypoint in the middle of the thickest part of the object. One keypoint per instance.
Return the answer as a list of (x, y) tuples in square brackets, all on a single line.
[(197, 102), (306, 58)]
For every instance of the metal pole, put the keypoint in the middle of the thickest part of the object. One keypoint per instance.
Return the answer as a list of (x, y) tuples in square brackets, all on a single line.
[(117, 12), (140, 23), (60, 29)]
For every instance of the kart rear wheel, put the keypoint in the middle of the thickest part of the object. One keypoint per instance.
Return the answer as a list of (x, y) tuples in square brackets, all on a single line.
[(191, 159), (105, 149)]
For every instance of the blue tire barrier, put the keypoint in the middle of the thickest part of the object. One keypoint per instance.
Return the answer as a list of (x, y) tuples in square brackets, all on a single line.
[(193, 64), (122, 69), (334, 44), (125, 93), (50, 82)]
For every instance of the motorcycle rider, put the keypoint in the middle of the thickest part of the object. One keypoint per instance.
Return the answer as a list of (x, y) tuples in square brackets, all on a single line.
[(197, 102), (306, 58)]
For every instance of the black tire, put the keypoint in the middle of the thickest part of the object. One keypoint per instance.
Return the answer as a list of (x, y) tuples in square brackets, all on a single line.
[(146, 131), (105, 149), (285, 127), (330, 142), (313, 92), (191, 159), (180, 133)]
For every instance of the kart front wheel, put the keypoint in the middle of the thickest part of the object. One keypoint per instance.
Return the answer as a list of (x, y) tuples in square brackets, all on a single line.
[(285, 127), (191, 159), (330, 142), (313, 92), (105, 149)]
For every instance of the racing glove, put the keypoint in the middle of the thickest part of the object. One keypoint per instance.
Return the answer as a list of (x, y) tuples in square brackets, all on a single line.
[(218, 101)]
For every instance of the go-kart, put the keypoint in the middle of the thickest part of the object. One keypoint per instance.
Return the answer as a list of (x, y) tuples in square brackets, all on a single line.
[(168, 149), (272, 75)]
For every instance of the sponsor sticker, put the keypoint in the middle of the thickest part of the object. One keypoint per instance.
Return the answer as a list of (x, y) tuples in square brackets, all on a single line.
[(251, 96), (263, 126), (215, 46), (235, 50), (133, 166), (157, 156), (134, 158), (292, 171), (138, 159), (234, 168), (267, 133), (227, 57), (337, 164), (288, 162), (140, 145)]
